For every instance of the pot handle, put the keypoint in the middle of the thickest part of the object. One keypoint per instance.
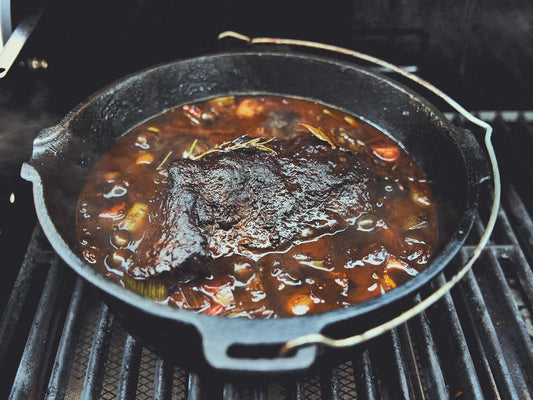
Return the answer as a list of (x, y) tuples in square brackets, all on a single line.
[(319, 339), (217, 354), (49, 141), (236, 350)]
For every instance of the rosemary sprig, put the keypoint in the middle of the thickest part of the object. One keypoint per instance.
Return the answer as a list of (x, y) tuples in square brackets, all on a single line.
[(193, 146), (236, 144), (160, 166), (189, 153), (320, 134)]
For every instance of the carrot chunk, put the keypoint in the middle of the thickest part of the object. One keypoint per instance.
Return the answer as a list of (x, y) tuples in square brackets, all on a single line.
[(115, 212), (386, 152), (144, 158), (248, 108), (215, 309)]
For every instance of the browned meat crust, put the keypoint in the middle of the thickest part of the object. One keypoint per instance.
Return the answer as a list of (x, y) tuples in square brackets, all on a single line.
[(251, 202)]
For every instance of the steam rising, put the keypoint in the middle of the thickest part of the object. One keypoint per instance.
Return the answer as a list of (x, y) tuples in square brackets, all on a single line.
[(19, 124)]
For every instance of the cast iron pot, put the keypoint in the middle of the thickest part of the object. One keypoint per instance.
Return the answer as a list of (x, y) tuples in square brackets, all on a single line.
[(64, 155)]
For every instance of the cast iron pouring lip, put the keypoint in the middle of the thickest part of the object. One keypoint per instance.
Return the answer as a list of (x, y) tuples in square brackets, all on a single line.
[(310, 323)]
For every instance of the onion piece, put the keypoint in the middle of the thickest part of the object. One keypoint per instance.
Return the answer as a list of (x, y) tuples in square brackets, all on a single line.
[(153, 289)]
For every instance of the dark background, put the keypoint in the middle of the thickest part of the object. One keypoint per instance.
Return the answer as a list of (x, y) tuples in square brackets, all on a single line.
[(479, 52)]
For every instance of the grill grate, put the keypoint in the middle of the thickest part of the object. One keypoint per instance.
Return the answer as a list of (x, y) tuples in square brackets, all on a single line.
[(58, 341)]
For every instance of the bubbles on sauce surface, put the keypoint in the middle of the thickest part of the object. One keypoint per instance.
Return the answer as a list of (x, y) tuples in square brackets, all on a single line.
[(373, 253)]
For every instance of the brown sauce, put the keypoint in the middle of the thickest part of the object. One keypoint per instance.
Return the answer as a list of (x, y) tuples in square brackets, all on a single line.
[(372, 253)]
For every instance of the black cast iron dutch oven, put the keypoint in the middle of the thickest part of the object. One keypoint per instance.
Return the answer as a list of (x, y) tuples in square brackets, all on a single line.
[(64, 155)]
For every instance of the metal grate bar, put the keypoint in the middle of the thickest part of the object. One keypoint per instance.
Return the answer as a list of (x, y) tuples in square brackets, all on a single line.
[(511, 314), (193, 387), (295, 390), (162, 380), (522, 224), (230, 392), (483, 326), (94, 375), (259, 392), (129, 372), (464, 369), (329, 385), (49, 348), (400, 371), (410, 358), (481, 362), (429, 364), (204, 387), (34, 350), (364, 377), (36, 249), (57, 384), (521, 220)]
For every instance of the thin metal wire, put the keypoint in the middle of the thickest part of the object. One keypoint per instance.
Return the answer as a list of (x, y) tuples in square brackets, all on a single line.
[(317, 338)]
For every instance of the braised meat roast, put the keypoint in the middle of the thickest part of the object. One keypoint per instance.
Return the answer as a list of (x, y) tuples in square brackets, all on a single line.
[(252, 201)]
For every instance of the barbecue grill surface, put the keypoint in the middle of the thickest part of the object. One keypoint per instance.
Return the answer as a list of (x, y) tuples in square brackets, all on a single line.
[(474, 343)]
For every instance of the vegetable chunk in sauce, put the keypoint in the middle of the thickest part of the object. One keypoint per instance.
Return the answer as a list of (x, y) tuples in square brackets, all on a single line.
[(257, 207)]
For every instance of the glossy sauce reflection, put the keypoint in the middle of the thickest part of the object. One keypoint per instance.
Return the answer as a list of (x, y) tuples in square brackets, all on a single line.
[(375, 253)]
